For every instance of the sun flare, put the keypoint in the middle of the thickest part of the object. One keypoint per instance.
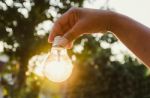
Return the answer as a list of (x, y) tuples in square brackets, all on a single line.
[(58, 71)]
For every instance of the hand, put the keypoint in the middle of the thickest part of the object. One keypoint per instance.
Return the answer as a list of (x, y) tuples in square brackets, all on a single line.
[(78, 21)]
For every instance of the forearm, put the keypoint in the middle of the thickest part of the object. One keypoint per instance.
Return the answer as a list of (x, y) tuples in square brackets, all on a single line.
[(78, 21), (134, 35)]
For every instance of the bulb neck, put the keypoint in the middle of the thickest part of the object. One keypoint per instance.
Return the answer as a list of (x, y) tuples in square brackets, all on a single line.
[(54, 50), (60, 42)]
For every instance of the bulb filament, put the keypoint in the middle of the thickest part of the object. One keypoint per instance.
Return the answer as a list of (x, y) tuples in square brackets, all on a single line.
[(58, 53)]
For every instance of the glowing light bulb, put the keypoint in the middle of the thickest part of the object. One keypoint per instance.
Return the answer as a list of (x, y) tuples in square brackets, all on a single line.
[(58, 66)]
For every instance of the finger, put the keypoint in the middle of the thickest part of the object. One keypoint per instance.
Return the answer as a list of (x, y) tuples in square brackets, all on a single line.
[(56, 30), (69, 45), (73, 33), (70, 36), (59, 28), (63, 24)]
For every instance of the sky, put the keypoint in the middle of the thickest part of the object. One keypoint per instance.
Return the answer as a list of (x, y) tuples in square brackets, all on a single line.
[(136, 9)]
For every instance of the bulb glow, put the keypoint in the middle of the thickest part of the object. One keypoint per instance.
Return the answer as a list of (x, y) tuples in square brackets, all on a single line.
[(58, 66)]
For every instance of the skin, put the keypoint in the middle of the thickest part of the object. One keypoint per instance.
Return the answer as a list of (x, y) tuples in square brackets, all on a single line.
[(78, 21)]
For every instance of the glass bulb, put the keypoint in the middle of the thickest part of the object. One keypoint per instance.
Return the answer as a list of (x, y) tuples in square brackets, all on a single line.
[(58, 66)]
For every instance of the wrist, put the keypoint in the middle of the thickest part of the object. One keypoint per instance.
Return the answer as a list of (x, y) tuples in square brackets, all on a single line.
[(111, 21), (114, 22), (106, 20)]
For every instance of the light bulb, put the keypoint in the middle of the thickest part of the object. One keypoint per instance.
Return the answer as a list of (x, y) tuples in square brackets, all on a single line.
[(57, 66)]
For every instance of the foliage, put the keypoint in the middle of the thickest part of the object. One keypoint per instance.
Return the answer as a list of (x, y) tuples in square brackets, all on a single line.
[(95, 74), (17, 31)]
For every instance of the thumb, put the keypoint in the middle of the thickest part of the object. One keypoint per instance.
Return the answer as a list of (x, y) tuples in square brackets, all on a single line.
[(69, 45), (70, 36)]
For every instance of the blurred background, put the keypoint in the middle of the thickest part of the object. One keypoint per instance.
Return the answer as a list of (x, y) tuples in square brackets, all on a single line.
[(103, 66)]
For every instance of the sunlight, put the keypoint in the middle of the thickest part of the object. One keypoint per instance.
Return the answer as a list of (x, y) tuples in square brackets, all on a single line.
[(43, 27), (1, 47), (78, 48), (58, 71), (35, 65)]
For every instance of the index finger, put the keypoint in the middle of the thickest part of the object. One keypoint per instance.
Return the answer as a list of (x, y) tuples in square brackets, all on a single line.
[(56, 30), (62, 25)]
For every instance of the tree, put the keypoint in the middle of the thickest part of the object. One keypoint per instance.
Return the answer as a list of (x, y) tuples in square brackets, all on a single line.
[(19, 19), (95, 74)]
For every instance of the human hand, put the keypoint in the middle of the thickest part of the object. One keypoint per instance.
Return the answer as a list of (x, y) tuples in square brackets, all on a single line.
[(78, 21)]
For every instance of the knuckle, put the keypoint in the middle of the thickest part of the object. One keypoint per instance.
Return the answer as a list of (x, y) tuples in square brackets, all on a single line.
[(74, 10)]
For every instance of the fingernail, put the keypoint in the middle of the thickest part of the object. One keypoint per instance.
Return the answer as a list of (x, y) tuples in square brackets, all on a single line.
[(50, 40)]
